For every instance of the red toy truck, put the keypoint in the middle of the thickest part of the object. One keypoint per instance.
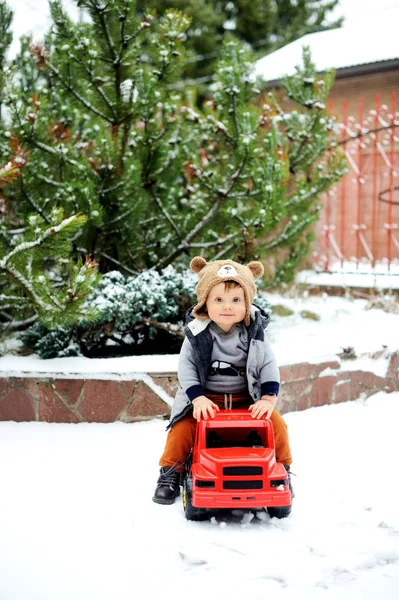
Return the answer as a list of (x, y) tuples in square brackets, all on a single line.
[(233, 465)]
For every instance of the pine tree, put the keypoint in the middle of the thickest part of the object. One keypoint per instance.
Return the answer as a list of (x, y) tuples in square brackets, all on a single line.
[(158, 179)]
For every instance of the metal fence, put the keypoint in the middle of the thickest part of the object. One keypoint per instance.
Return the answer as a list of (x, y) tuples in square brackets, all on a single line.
[(358, 229)]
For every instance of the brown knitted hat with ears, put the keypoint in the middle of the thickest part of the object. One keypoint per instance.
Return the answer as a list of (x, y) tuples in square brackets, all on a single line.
[(215, 272)]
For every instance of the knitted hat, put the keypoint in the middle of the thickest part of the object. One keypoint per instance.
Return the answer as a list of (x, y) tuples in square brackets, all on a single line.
[(215, 272)]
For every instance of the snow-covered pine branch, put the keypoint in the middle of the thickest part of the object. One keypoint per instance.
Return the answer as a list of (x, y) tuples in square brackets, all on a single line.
[(26, 246)]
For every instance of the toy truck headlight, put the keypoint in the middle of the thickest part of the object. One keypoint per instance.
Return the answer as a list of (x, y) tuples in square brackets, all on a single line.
[(202, 483), (275, 483)]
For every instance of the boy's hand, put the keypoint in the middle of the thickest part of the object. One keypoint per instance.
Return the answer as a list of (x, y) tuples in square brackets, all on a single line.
[(204, 407), (263, 407)]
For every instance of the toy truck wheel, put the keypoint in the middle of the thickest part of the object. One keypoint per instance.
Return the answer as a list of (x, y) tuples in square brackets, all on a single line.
[(279, 512), (192, 513)]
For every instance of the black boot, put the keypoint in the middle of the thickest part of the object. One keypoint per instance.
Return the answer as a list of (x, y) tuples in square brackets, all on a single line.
[(287, 468), (168, 487)]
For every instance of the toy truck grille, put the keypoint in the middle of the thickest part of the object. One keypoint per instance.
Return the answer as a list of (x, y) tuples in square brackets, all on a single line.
[(253, 484), (237, 471)]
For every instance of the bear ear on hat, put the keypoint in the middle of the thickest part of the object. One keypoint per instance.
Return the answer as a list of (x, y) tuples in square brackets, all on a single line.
[(256, 268), (197, 264)]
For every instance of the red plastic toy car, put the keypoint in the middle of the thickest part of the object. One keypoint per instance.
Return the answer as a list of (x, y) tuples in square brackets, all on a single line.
[(233, 465)]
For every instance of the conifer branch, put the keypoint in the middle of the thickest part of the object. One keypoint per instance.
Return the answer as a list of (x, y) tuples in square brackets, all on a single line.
[(121, 217), (78, 96), (164, 212), (236, 175), (18, 325), (11, 298), (223, 195), (25, 246), (248, 194), (117, 263), (217, 242), (104, 26), (113, 188), (97, 88), (53, 151), (27, 286), (290, 233), (185, 245), (224, 251), (116, 58), (31, 201), (165, 327), (49, 181)]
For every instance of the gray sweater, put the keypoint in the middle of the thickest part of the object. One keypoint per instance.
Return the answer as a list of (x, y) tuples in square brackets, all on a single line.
[(228, 362)]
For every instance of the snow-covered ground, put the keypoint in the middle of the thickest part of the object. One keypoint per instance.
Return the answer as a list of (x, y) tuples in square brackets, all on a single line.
[(344, 322), (77, 521)]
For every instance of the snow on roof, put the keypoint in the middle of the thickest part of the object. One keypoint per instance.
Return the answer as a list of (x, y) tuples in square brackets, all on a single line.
[(369, 40)]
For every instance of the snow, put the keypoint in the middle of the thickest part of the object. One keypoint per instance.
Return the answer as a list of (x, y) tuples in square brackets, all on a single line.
[(368, 35), (344, 322), (378, 366), (77, 520), (355, 11)]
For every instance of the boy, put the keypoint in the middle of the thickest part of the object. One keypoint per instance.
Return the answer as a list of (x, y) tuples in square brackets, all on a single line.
[(225, 362)]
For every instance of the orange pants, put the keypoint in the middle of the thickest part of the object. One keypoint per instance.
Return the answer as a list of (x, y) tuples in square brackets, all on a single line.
[(181, 437)]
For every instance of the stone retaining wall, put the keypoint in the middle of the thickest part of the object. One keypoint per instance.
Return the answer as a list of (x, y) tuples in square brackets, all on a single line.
[(56, 400)]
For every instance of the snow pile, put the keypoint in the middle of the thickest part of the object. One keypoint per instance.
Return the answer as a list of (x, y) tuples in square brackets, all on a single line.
[(77, 520)]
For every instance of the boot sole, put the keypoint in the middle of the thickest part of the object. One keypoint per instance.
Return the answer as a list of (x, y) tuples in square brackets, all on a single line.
[(165, 500)]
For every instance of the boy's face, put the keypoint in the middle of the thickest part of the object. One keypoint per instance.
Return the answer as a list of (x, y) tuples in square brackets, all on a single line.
[(226, 307)]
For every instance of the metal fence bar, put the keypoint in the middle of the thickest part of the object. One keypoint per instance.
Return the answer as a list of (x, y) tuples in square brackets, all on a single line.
[(391, 175), (343, 187), (359, 183), (374, 228)]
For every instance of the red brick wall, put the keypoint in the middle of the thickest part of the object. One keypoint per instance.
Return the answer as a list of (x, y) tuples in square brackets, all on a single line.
[(103, 401), (366, 87)]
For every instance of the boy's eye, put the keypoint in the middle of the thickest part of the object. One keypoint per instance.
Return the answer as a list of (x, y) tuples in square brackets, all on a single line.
[(236, 299), (218, 300)]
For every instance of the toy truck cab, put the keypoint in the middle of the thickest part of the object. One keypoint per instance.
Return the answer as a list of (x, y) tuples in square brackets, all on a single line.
[(233, 465)]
